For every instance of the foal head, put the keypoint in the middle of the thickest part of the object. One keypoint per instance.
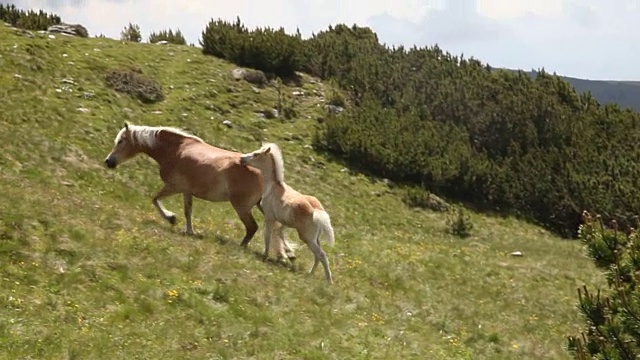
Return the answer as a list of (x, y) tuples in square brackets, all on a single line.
[(267, 158), (126, 147)]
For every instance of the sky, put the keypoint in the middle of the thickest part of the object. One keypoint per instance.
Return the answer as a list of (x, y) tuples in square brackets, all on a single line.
[(589, 39)]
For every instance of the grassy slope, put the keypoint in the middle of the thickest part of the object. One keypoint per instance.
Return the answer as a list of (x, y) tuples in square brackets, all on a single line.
[(89, 270)]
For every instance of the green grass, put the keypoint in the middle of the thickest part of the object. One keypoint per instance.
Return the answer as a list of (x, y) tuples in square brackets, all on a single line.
[(88, 269)]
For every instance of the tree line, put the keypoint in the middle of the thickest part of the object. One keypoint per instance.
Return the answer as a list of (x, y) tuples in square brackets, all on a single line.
[(498, 140)]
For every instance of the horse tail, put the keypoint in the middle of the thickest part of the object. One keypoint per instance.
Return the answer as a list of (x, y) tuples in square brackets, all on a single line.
[(322, 220)]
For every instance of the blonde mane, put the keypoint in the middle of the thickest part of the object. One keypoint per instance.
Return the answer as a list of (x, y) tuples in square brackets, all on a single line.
[(148, 135), (278, 163)]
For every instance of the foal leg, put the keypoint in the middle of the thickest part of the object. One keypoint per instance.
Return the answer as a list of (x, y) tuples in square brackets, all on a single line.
[(277, 235), (166, 214), (319, 257), (268, 228), (188, 204)]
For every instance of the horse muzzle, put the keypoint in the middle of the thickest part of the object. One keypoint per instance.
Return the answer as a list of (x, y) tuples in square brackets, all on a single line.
[(111, 162), (243, 161)]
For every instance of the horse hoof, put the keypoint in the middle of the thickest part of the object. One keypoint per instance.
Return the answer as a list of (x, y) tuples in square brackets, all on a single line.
[(171, 219)]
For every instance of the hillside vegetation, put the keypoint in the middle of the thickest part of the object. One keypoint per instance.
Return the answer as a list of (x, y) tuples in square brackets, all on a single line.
[(625, 94), (498, 140), (89, 270)]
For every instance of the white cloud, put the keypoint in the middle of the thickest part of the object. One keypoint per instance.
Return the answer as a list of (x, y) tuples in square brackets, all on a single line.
[(582, 38)]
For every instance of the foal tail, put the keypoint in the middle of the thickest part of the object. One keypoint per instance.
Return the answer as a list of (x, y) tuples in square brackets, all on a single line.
[(322, 220)]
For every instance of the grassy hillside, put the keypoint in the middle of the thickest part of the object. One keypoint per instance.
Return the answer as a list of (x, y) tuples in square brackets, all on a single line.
[(89, 270)]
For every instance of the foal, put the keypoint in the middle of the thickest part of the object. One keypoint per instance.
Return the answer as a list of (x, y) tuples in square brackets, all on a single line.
[(193, 168), (283, 205)]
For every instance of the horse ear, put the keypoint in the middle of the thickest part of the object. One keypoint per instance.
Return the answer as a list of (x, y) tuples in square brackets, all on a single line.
[(126, 125), (267, 150)]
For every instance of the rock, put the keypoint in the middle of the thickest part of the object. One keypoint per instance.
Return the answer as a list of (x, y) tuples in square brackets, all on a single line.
[(88, 94), (24, 32), (157, 112), (238, 73), (68, 81), (388, 182), (17, 76), (298, 93), (334, 109), (162, 42), (255, 77), (69, 29), (255, 90), (308, 146), (83, 110), (344, 170), (227, 123), (51, 36), (517, 253)]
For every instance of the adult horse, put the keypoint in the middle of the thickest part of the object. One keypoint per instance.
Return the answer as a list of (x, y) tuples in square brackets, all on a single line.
[(190, 166)]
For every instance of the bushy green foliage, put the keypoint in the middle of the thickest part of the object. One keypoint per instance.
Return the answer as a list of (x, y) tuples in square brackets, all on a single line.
[(169, 36), (612, 316), (29, 20), (131, 32), (500, 140), (272, 51), (459, 223), (134, 83)]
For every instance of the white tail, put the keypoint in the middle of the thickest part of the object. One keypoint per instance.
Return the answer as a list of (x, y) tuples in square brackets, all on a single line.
[(321, 218)]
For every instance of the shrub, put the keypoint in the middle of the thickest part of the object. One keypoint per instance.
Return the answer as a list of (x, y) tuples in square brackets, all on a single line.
[(169, 36), (28, 20), (612, 316), (272, 51), (223, 39), (132, 82), (131, 32), (459, 223)]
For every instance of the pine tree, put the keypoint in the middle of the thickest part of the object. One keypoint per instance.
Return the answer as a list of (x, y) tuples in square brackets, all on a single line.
[(131, 33), (613, 315)]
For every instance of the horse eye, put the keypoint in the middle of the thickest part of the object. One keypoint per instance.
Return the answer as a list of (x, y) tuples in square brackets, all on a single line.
[(120, 141)]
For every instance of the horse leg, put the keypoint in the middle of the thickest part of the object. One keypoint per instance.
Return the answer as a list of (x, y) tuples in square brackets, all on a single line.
[(188, 205), (166, 214), (245, 215), (288, 251), (277, 234), (319, 256), (268, 225)]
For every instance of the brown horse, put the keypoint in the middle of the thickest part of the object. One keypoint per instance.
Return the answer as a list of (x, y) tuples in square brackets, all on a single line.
[(282, 205), (193, 168)]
